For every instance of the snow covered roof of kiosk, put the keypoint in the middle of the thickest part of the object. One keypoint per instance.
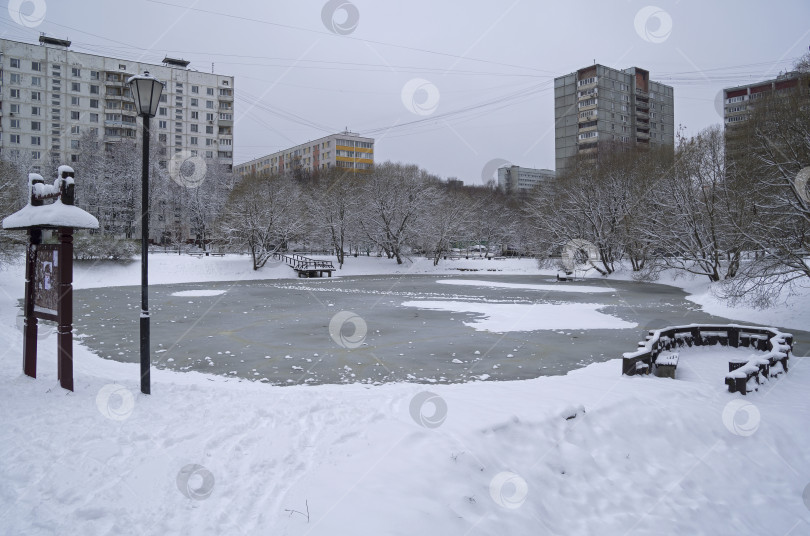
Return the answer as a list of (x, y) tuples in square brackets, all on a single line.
[(56, 214)]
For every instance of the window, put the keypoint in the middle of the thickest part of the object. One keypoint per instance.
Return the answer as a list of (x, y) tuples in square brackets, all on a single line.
[(195, 89), (209, 154), (193, 140), (36, 66), (122, 66), (36, 96), (74, 144), (36, 81), (14, 108), (209, 117), (585, 82), (195, 102), (195, 115), (94, 89), (94, 75), (225, 83), (15, 123), (36, 140), (195, 128), (14, 63), (36, 155), (163, 124), (15, 94), (75, 101), (74, 129), (36, 110), (209, 104), (163, 111), (230, 142), (76, 71), (209, 141), (209, 129), (93, 103), (162, 138), (94, 118), (15, 138), (36, 125), (209, 91), (75, 116), (75, 86), (16, 78), (74, 158)]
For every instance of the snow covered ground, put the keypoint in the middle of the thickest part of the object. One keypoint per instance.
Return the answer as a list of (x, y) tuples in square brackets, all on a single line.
[(210, 455)]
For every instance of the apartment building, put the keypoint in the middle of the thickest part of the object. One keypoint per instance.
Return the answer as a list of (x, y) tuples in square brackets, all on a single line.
[(50, 96), (738, 102), (516, 179), (346, 150), (597, 108)]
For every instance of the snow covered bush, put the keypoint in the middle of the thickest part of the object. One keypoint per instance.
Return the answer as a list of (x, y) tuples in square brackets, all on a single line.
[(88, 247)]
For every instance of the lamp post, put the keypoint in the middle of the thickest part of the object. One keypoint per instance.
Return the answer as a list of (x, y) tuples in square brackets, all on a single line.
[(146, 91)]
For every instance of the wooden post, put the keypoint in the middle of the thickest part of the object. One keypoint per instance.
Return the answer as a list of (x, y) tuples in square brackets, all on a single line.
[(30, 320), (64, 341)]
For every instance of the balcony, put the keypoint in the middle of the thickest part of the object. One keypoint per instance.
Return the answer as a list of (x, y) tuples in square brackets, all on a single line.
[(641, 114), (588, 86), (642, 136), (583, 107), (590, 95)]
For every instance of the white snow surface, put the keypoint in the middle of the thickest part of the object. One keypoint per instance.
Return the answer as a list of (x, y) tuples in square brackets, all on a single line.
[(507, 317), (562, 287), (198, 293), (55, 214), (642, 456)]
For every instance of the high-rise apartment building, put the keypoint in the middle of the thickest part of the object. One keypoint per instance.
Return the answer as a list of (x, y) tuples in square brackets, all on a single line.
[(516, 179), (345, 150), (50, 96), (738, 102), (597, 108)]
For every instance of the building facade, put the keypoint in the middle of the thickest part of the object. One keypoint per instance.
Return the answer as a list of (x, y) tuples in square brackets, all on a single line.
[(346, 150), (738, 102), (597, 108), (50, 96), (516, 179)]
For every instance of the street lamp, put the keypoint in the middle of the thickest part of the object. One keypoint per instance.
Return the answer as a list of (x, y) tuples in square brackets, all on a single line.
[(146, 90)]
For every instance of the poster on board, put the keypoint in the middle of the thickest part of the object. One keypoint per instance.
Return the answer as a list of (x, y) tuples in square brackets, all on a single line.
[(46, 281)]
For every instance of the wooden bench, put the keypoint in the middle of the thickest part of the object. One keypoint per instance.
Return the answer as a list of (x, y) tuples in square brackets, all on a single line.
[(665, 364)]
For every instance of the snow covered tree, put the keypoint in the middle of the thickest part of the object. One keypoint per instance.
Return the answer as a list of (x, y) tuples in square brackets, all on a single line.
[(262, 214), (333, 205), (394, 196), (770, 162)]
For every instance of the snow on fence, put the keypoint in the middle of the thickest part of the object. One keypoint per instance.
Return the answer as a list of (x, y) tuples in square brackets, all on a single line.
[(744, 374)]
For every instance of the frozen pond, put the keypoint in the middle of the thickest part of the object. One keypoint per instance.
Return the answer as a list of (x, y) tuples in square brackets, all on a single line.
[(420, 328)]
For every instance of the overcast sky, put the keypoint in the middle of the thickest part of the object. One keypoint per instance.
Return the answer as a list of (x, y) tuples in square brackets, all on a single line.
[(447, 85)]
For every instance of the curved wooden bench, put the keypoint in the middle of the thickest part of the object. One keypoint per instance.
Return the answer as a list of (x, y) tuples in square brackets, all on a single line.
[(744, 374)]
